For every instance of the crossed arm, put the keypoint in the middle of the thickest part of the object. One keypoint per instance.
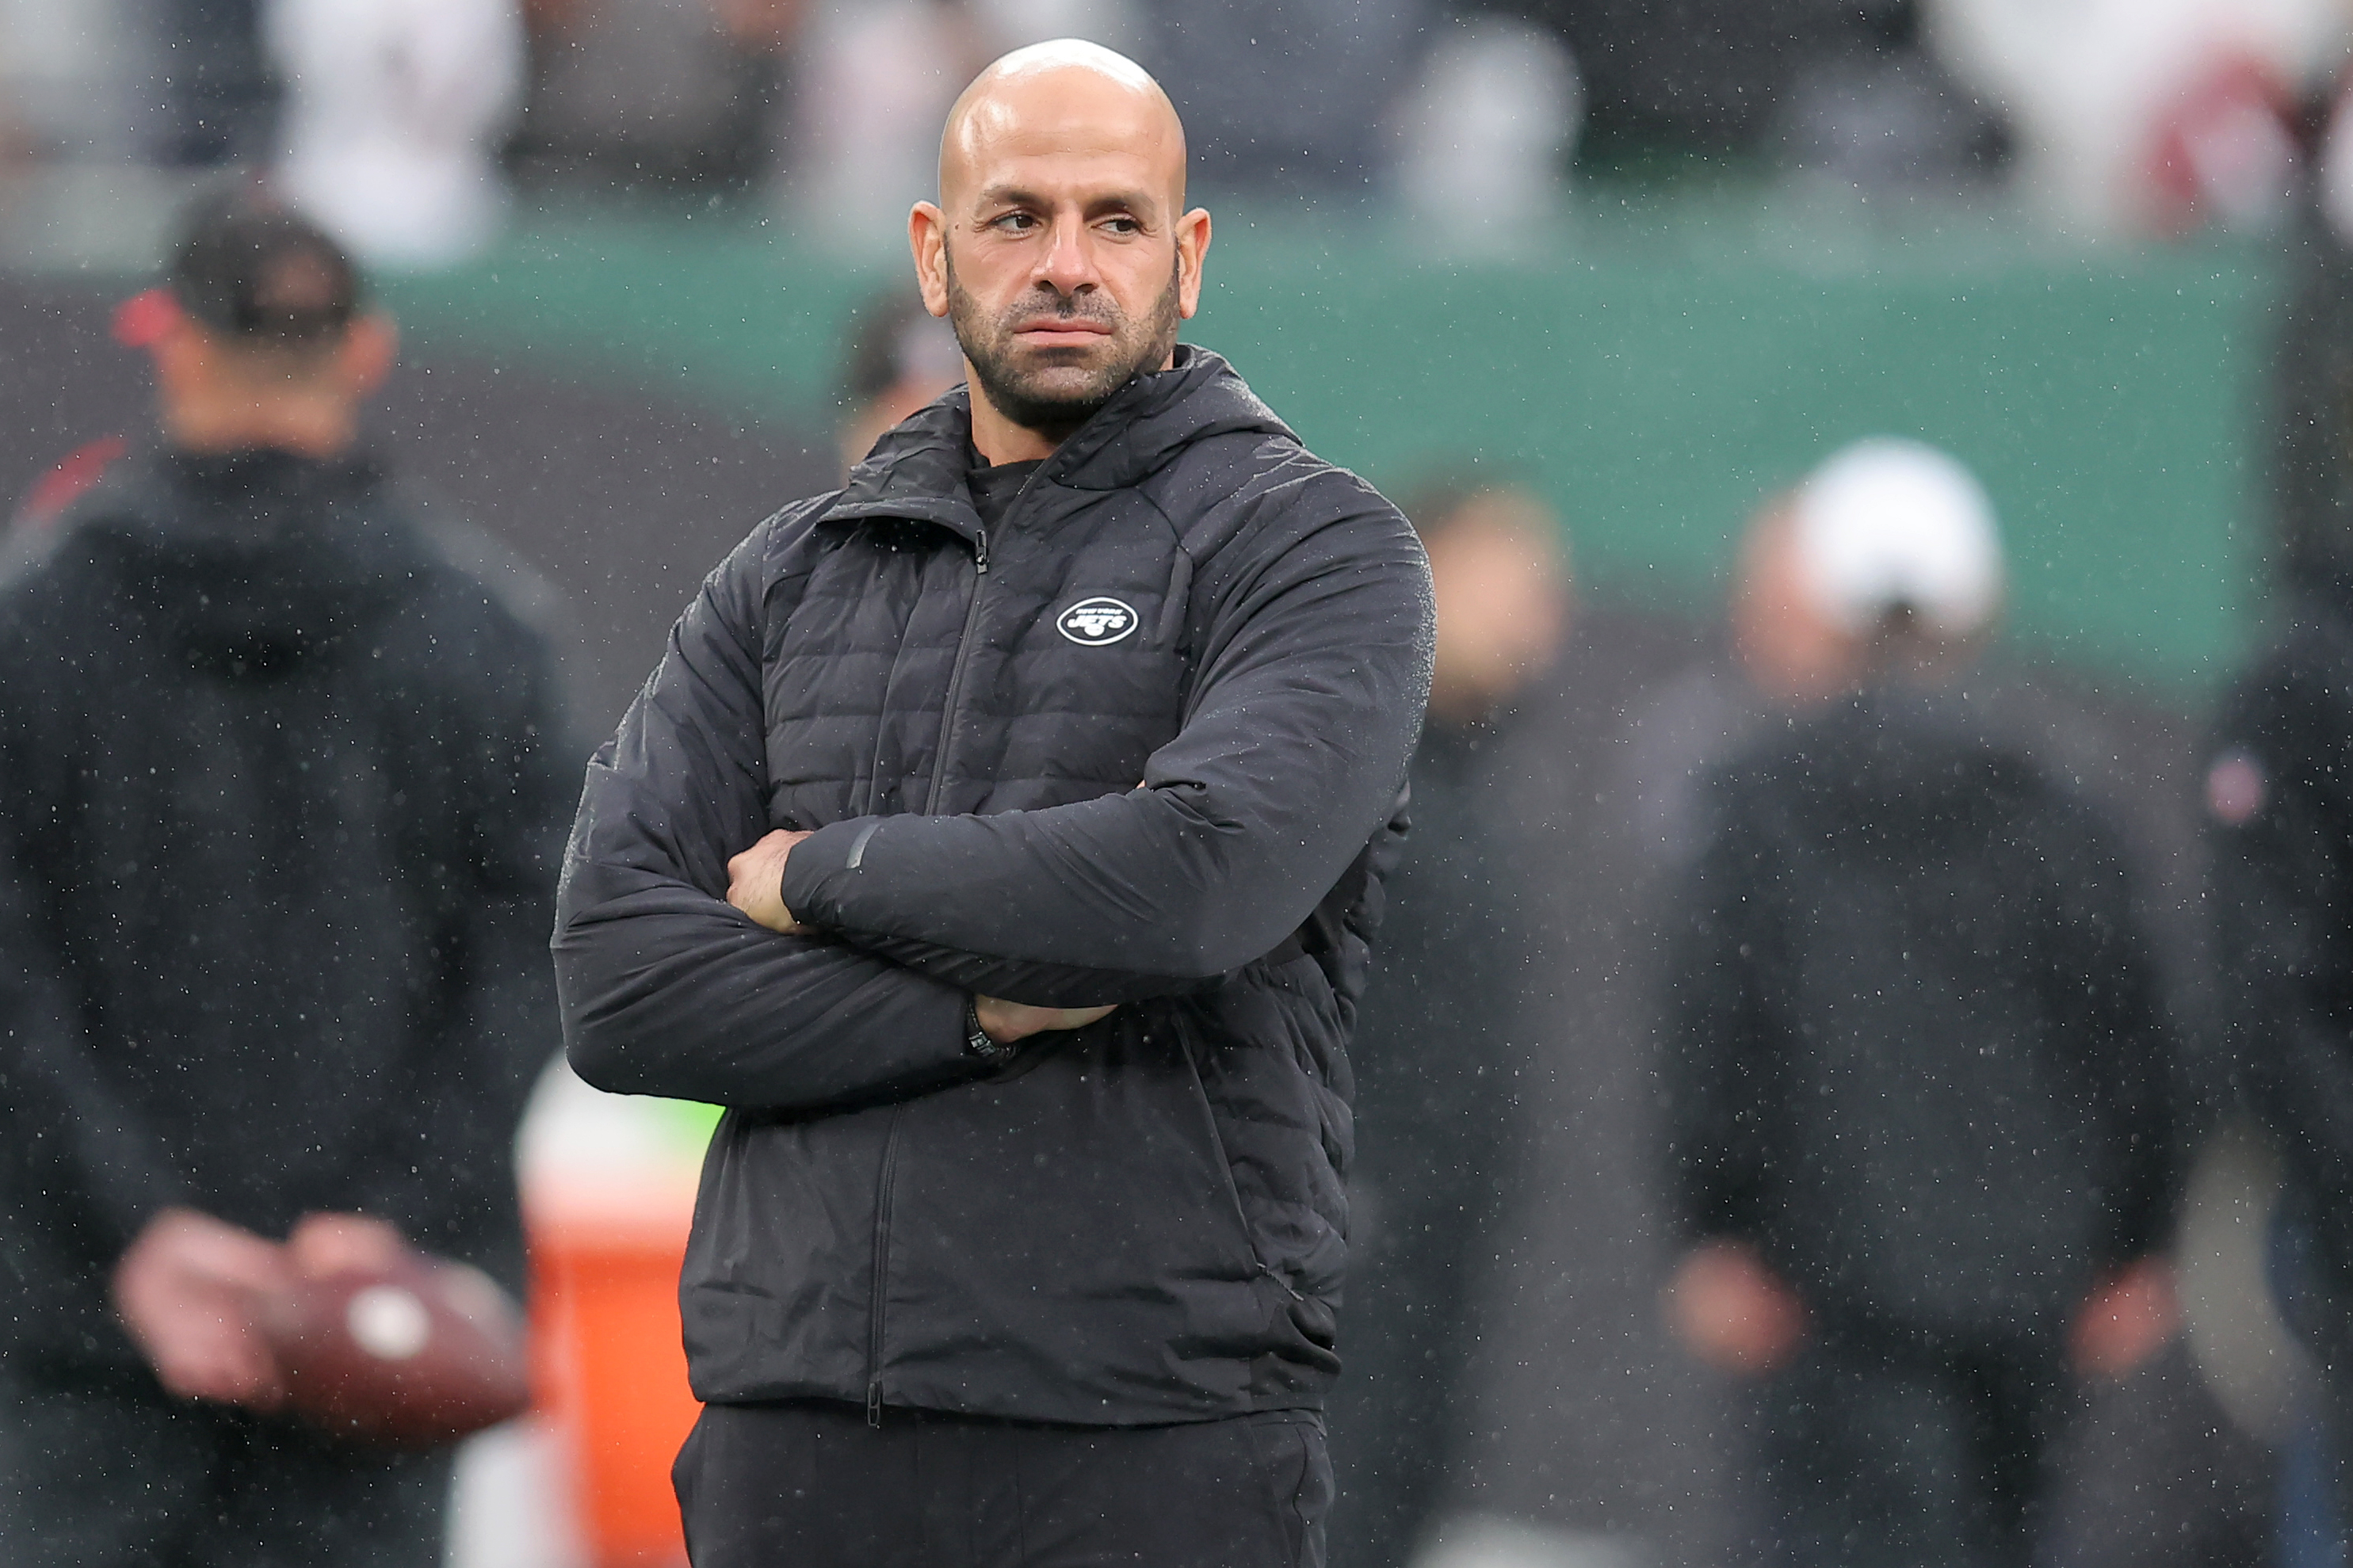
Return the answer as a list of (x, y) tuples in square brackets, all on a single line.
[(1304, 709), (755, 886)]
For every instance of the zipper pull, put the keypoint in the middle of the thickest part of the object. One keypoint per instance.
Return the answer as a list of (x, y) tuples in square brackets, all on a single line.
[(874, 1403), (980, 551)]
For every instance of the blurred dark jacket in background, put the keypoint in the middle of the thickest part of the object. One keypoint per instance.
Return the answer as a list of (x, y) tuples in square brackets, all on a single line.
[(283, 790), (2279, 795), (2279, 811), (1920, 1059), (1435, 1108)]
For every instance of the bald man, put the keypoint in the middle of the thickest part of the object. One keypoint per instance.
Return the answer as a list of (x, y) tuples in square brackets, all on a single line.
[(1021, 1241)]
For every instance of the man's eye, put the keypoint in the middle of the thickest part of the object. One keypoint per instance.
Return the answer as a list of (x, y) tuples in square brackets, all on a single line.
[(1016, 221), (1123, 226)]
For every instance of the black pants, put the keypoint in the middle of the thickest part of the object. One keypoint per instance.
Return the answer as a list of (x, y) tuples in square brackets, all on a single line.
[(794, 1485), (1880, 1457), (113, 1478)]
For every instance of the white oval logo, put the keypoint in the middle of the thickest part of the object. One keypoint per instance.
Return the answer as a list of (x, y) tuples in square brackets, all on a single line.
[(1094, 623)]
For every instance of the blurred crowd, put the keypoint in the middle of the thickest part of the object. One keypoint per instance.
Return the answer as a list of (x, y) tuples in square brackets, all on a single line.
[(407, 125)]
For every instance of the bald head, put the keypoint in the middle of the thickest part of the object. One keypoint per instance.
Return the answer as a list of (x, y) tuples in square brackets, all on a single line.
[(1063, 99), (1060, 249)]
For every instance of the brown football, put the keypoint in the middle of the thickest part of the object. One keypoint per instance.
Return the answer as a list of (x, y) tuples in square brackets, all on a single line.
[(414, 1356)]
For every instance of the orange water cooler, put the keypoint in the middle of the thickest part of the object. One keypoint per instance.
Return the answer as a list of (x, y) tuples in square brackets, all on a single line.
[(611, 1373)]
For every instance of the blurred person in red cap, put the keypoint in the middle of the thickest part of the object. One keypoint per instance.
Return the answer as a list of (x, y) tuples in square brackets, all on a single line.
[(1920, 1077), (281, 793)]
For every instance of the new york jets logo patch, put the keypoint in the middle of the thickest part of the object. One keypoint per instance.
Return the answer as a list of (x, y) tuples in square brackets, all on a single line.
[(1096, 623)]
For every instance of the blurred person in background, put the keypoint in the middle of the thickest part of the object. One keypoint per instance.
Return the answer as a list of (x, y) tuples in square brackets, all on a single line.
[(632, 95), (2279, 804), (1850, 90), (1601, 1435), (75, 83), (395, 113), (282, 794), (1920, 1080), (901, 358), (2148, 117), (1287, 97), (1483, 136), (1435, 1054), (871, 80), (219, 98)]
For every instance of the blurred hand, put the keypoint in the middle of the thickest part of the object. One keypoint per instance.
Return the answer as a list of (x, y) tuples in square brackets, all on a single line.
[(188, 1289), (1732, 1313), (756, 882), (2129, 1319), (1006, 1022), (324, 1244)]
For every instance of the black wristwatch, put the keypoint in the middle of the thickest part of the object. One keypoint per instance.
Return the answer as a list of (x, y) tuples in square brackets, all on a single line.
[(976, 1040)]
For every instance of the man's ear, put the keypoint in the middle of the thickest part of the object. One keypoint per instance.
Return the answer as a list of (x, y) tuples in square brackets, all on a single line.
[(927, 237), (184, 360), (1192, 250), (370, 346)]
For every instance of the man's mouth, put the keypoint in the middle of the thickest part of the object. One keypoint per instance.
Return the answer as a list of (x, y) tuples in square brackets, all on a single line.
[(1061, 332)]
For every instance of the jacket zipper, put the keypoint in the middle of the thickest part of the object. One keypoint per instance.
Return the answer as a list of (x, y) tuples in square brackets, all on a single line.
[(891, 1138), (882, 1270), (955, 674)]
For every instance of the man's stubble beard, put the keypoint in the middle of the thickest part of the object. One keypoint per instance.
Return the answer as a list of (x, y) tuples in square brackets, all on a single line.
[(1013, 392)]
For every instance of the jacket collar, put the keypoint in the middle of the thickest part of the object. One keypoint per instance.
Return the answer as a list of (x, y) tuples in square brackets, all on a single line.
[(917, 470)]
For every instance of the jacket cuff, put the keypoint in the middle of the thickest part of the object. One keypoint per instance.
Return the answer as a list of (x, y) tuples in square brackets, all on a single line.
[(817, 865)]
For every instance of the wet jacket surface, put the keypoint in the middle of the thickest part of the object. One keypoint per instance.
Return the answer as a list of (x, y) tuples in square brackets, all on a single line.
[(2279, 796), (1916, 1052), (1142, 741), (282, 803)]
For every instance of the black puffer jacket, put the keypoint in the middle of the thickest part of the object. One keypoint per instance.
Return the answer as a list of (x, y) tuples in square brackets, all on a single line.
[(1919, 1053), (1137, 1222), (281, 795)]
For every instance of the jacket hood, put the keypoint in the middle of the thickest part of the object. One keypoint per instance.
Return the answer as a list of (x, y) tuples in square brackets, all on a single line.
[(918, 467), (251, 561)]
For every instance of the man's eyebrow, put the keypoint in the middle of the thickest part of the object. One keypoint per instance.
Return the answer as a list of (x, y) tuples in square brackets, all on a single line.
[(1138, 202)]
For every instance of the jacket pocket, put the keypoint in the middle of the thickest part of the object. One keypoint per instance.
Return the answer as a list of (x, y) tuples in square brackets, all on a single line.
[(1283, 1132), (1226, 1164)]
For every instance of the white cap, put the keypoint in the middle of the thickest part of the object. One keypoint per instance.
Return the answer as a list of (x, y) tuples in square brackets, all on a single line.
[(1887, 522)]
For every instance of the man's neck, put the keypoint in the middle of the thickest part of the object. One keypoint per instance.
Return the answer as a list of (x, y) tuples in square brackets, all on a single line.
[(999, 439), (308, 429)]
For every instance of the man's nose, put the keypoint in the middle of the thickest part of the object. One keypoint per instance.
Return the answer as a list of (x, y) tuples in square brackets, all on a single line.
[(1069, 262)]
